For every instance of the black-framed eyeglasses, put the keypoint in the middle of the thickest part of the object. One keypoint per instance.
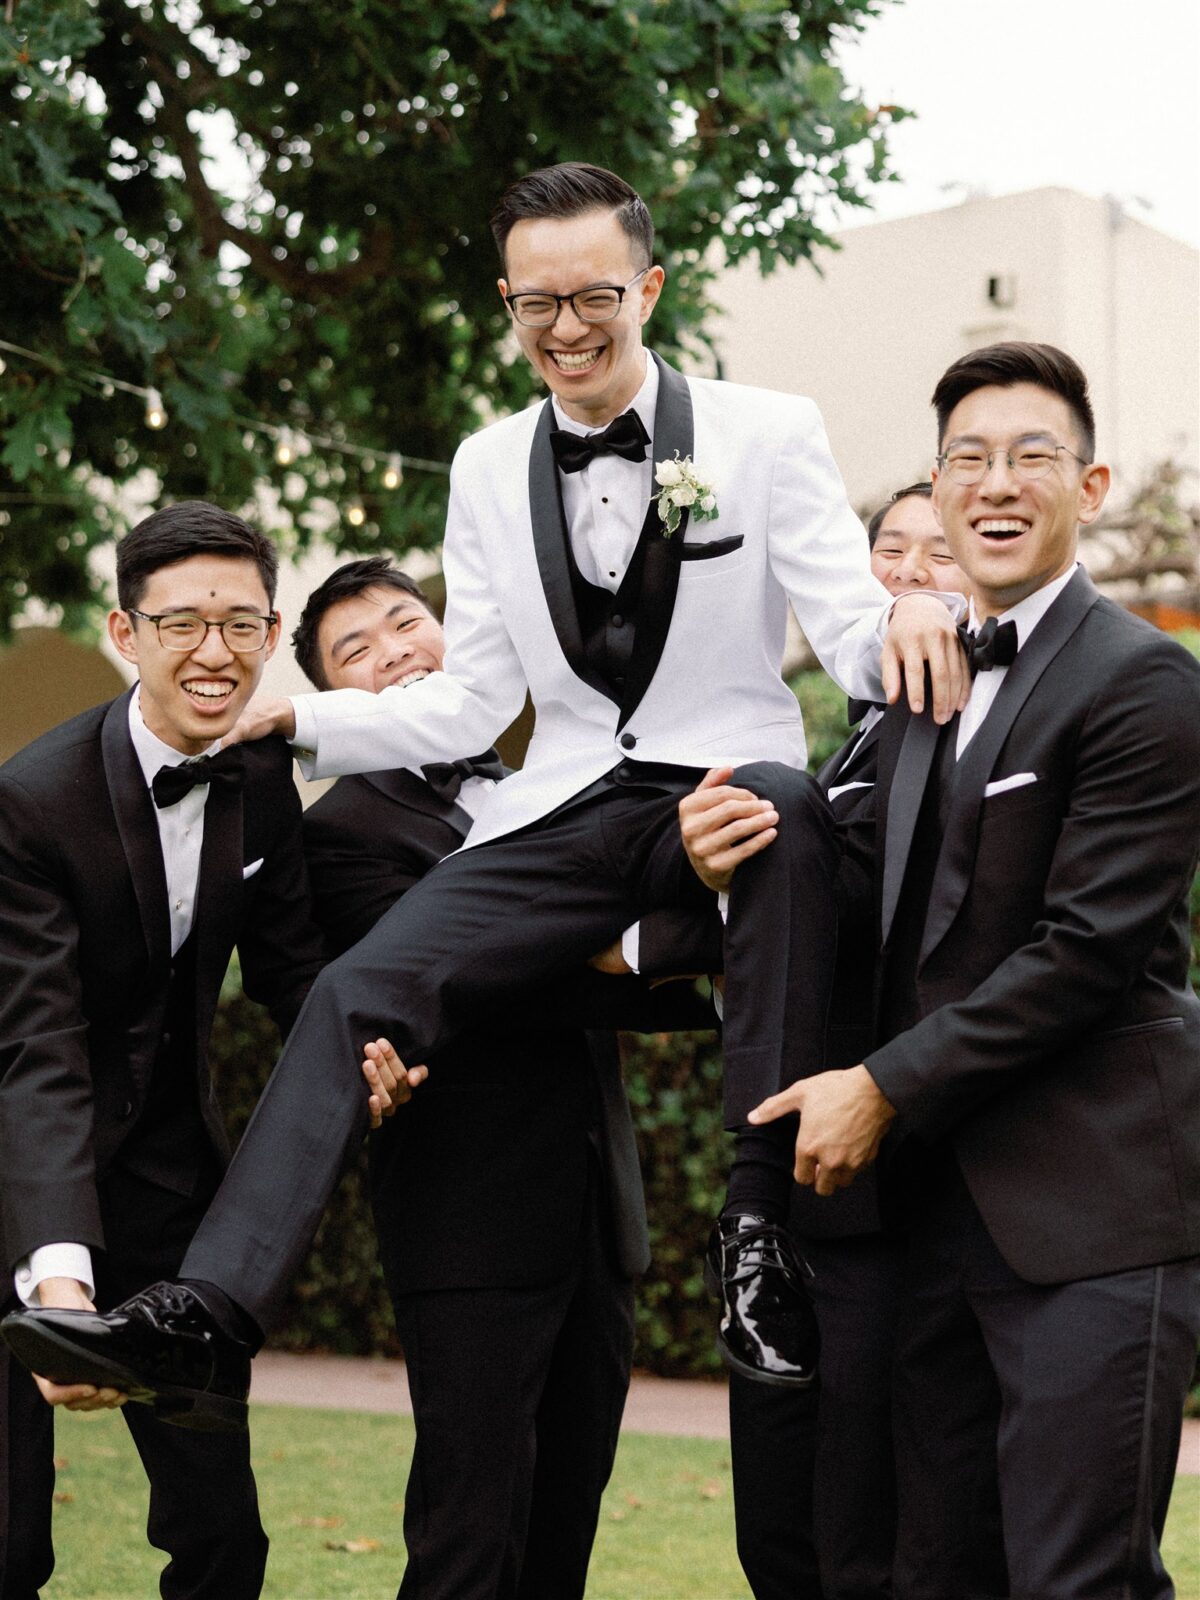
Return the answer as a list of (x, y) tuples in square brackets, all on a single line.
[(600, 303), (178, 630), (1028, 458)]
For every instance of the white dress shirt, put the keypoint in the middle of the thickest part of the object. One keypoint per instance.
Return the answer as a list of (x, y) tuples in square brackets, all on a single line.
[(1026, 614), (181, 835), (605, 504)]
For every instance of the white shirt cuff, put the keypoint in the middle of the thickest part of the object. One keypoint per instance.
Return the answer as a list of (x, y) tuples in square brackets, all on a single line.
[(54, 1261), (304, 740), (631, 946)]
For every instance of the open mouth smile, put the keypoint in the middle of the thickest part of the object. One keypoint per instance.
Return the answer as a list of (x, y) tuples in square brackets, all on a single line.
[(1002, 528), (574, 361), (208, 692)]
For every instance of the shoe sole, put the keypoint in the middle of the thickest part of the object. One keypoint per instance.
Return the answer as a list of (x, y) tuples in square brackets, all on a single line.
[(44, 1351), (743, 1368)]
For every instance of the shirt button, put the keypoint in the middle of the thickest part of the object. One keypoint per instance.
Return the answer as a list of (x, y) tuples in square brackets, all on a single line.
[(603, 499), (179, 905), (627, 741)]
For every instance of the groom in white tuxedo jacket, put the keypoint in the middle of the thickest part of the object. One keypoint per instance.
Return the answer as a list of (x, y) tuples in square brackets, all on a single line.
[(652, 655)]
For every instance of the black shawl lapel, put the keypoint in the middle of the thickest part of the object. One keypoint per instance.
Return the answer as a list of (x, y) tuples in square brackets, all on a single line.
[(550, 542), (217, 916), (137, 825), (674, 429), (957, 855), (404, 787), (903, 801)]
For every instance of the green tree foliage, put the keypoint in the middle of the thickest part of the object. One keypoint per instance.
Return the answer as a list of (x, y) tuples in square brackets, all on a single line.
[(275, 214)]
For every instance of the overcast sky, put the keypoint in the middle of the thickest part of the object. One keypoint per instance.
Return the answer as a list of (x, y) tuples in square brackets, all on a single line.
[(1097, 95)]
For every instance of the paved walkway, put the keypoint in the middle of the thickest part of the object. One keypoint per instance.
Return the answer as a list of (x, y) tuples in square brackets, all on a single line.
[(693, 1409)]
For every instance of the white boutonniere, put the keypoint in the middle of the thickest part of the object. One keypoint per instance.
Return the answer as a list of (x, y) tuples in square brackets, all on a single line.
[(682, 489)]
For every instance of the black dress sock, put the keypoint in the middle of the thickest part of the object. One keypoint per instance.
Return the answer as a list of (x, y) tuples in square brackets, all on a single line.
[(760, 1180)]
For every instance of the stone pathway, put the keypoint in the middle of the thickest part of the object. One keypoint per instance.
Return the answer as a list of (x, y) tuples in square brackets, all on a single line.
[(693, 1409)]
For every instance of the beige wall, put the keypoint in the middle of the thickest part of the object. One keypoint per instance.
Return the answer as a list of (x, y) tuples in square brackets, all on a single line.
[(903, 299)]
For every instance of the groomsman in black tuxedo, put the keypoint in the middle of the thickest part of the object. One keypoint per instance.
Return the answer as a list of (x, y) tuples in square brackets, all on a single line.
[(813, 1475), (507, 1197), (650, 640), (132, 861), (1042, 1054)]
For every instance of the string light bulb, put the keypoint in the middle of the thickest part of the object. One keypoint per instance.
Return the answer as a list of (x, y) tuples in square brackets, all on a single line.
[(355, 515), (3, 366), (285, 447), (156, 413), (393, 473)]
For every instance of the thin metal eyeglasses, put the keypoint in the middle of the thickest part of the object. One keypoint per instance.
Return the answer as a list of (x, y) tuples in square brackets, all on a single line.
[(243, 634), (1032, 460), (597, 304)]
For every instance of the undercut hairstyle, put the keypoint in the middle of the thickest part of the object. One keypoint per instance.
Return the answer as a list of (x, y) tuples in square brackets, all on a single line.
[(569, 190), (1002, 365), (189, 528), (347, 583), (925, 490)]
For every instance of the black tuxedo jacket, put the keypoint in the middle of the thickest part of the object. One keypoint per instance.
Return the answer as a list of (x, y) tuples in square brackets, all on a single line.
[(1058, 1046), (479, 1181), (85, 955)]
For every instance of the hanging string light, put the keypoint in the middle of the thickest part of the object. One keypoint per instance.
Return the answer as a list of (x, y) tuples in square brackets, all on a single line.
[(156, 412), (356, 514), (285, 447), (393, 473)]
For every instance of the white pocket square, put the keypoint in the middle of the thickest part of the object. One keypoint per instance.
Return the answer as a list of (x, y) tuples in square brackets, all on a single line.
[(1017, 781), (845, 788), (248, 872)]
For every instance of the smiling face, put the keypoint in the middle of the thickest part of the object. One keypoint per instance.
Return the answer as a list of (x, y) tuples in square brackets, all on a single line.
[(378, 638), (910, 550), (189, 698), (594, 368), (1011, 535)]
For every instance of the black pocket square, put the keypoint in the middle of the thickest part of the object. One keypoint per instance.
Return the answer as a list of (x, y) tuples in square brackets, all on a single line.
[(713, 547)]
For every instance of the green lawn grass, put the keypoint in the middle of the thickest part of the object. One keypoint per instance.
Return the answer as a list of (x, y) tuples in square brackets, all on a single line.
[(330, 1478)]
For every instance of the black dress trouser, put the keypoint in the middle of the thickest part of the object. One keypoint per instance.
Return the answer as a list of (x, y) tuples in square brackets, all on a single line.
[(491, 922), (203, 1499)]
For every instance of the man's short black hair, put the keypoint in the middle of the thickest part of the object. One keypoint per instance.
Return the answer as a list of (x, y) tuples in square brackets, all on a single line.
[(189, 528), (347, 582), (925, 490), (569, 190), (1002, 365)]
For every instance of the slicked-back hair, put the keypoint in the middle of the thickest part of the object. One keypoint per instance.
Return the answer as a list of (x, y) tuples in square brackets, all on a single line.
[(1016, 361), (346, 583), (924, 490), (569, 190), (189, 528)]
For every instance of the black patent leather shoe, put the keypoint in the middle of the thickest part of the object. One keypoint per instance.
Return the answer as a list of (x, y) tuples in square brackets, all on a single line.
[(160, 1347), (768, 1328)]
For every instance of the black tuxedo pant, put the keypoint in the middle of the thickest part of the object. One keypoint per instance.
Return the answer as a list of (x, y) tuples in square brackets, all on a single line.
[(203, 1500), (517, 1397), (813, 1478), (1086, 1382), (490, 925)]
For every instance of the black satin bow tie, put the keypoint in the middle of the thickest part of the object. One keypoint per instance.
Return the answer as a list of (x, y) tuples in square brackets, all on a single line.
[(856, 710), (445, 778), (995, 645), (625, 436), (172, 783)]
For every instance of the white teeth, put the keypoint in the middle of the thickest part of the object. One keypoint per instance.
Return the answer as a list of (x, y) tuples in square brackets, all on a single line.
[(411, 677), (998, 526), (210, 691), (574, 363)]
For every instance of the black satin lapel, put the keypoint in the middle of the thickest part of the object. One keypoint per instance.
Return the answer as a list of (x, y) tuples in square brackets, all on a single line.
[(904, 796), (550, 538), (674, 430), (406, 789), (957, 857), (138, 828), (218, 898)]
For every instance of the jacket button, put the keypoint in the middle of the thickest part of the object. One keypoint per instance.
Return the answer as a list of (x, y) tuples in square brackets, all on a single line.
[(623, 773), (618, 620), (627, 741)]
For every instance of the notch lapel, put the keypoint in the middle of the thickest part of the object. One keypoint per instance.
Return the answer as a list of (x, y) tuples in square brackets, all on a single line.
[(550, 543), (217, 917), (406, 789), (674, 429), (137, 826), (957, 857)]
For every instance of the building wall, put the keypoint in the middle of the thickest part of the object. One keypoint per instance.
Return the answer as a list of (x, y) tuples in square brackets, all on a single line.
[(902, 299)]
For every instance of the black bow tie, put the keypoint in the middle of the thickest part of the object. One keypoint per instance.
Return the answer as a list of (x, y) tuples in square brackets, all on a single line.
[(624, 436), (445, 778), (995, 645), (172, 783)]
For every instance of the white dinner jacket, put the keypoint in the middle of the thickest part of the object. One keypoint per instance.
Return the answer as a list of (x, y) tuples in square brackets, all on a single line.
[(704, 685)]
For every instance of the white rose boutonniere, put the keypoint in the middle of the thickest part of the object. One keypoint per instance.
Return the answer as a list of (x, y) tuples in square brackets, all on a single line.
[(681, 488)]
